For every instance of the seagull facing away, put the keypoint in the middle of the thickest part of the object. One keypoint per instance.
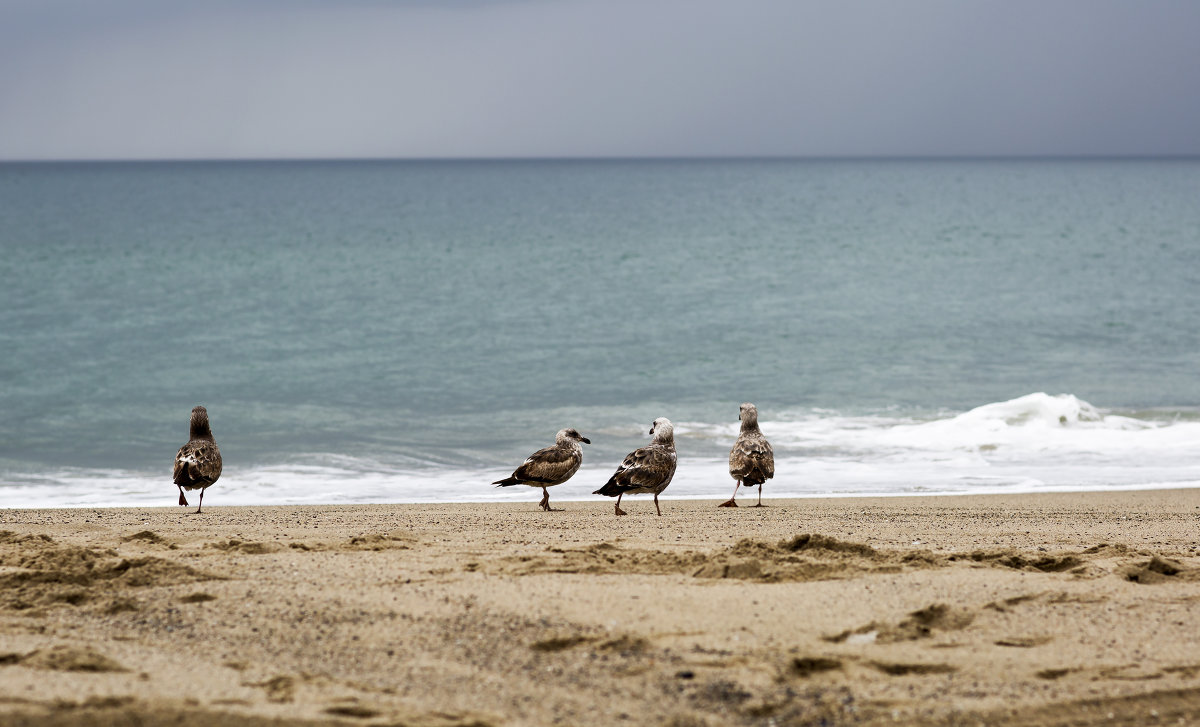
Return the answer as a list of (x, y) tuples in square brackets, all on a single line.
[(751, 461), (648, 469), (551, 466), (198, 463)]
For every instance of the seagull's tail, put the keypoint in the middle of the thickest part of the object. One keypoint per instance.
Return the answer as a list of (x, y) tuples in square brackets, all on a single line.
[(610, 489), (507, 482), (182, 475), (754, 478)]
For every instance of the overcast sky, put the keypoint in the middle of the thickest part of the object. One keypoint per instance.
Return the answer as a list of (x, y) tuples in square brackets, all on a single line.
[(135, 79)]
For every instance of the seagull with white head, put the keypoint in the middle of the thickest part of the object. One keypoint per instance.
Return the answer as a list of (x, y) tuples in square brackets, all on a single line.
[(551, 466), (751, 461), (648, 469)]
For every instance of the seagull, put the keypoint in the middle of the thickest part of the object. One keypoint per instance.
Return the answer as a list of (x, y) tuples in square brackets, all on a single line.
[(198, 463), (751, 460), (551, 466), (648, 469)]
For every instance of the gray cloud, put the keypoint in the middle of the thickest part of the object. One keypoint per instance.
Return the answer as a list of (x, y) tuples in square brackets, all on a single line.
[(295, 78)]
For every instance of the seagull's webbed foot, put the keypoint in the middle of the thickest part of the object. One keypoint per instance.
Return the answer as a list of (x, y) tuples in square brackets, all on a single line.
[(758, 505), (182, 500), (730, 502), (619, 511)]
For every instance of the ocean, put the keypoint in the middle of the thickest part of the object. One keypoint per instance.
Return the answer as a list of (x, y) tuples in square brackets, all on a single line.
[(408, 331)]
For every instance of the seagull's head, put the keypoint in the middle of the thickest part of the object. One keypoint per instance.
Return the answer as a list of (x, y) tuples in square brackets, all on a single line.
[(199, 424), (748, 413), (571, 435), (662, 430)]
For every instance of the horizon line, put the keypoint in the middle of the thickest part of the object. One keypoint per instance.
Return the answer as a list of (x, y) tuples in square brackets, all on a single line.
[(616, 158)]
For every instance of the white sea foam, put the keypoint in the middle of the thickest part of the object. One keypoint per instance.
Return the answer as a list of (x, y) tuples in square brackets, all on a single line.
[(1031, 444)]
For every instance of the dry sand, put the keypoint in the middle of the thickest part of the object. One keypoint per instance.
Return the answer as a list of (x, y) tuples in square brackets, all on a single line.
[(1009, 610)]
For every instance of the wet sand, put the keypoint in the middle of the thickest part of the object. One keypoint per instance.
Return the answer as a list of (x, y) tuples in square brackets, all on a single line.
[(1024, 610)]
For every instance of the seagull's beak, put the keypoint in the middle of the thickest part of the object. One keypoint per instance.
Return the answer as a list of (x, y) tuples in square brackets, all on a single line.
[(585, 440)]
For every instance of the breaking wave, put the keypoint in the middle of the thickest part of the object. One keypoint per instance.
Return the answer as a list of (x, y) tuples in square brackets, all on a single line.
[(1034, 443)]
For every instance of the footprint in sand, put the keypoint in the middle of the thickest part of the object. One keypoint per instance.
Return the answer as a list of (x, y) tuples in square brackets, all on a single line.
[(1024, 642), (198, 598), (1052, 674), (71, 658), (918, 625), (280, 689), (900, 669), (149, 537), (807, 666), (1159, 570), (352, 710), (247, 547)]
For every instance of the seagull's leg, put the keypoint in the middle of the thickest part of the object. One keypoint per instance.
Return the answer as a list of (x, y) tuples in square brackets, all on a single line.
[(201, 501), (182, 499), (730, 502), (545, 503), (619, 510), (656, 505), (759, 498)]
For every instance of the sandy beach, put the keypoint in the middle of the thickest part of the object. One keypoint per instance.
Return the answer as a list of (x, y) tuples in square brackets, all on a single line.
[(1055, 609)]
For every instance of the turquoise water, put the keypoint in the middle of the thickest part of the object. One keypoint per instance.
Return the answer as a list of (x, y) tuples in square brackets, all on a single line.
[(388, 331)]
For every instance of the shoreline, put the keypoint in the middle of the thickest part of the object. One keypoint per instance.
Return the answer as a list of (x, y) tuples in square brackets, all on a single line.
[(515, 498), (1031, 609)]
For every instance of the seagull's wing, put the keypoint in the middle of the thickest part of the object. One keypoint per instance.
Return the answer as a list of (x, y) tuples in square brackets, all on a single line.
[(752, 459), (645, 467), (198, 464), (552, 465)]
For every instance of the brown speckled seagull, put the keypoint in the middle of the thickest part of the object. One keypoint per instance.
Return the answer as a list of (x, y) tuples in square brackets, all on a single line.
[(648, 469), (551, 466), (751, 461), (198, 463)]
